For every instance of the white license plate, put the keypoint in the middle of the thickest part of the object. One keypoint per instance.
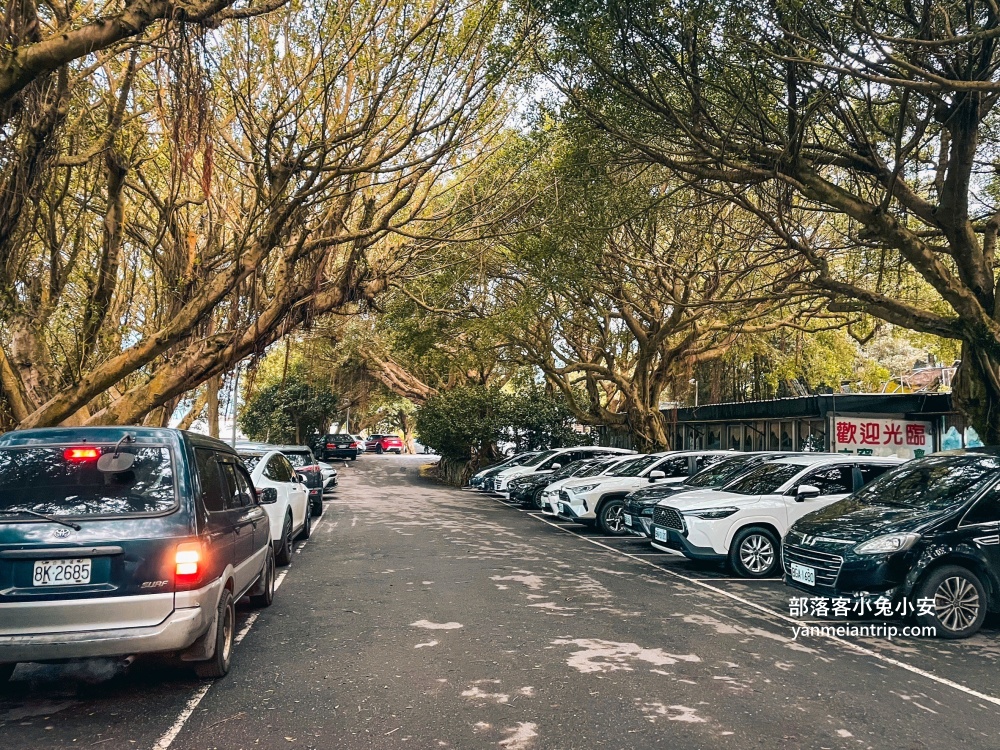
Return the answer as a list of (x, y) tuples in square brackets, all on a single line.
[(659, 534), (562, 508), (61, 572), (628, 519), (803, 574)]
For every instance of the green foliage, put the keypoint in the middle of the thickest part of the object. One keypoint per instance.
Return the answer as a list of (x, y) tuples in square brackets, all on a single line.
[(293, 411), (471, 422)]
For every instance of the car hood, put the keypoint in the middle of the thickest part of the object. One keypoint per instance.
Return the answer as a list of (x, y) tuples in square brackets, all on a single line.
[(853, 521), (707, 499), (652, 495)]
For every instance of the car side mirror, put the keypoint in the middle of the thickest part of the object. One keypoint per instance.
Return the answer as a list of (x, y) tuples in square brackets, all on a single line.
[(556, 466), (300, 478), (267, 496), (806, 492), (654, 475)]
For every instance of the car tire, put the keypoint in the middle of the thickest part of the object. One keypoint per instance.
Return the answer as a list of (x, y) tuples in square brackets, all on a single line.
[(225, 638), (316, 508), (755, 553), (378, 450), (536, 500), (306, 531), (610, 517), (354, 458), (959, 601), (6, 672), (266, 595), (283, 555)]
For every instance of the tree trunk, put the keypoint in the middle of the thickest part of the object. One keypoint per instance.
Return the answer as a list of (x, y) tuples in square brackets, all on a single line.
[(976, 392), (213, 406), (648, 427)]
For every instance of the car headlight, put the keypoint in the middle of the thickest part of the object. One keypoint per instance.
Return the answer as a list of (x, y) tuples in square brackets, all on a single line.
[(710, 513), (583, 488), (887, 543)]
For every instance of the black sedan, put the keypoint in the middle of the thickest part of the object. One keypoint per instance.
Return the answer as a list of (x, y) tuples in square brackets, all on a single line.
[(526, 490), (341, 445)]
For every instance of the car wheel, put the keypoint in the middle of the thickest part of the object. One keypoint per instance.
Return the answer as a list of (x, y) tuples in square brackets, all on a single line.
[(378, 449), (266, 595), (225, 635), (6, 671), (306, 526), (959, 601), (283, 555), (754, 553), (354, 458), (611, 519), (536, 501), (316, 508)]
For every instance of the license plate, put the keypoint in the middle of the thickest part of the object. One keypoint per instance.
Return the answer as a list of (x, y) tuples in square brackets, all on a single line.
[(628, 519), (803, 574), (61, 572), (659, 534)]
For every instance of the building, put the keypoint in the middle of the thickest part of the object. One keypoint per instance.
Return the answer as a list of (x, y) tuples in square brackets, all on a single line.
[(907, 425)]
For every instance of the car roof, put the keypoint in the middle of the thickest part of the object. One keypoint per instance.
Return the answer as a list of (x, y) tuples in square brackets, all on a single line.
[(109, 434), (810, 459)]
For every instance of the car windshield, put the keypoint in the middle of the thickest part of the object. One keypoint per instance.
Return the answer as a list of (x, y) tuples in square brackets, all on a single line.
[(724, 471), (593, 468), (763, 479), (48, 480), (932, 483), (251, 460), (538, 458), (635, 467)]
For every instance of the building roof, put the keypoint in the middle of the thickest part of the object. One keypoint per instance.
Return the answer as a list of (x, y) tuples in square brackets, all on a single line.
[(817, 406)]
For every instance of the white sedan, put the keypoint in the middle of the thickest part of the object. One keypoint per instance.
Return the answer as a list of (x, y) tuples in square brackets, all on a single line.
[(283, 496), (743, 522)]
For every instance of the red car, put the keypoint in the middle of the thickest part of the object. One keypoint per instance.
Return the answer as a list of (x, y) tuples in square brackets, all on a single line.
[(384, 443)]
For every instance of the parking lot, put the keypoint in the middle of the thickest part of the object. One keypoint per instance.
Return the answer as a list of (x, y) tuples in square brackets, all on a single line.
[(423, 616)]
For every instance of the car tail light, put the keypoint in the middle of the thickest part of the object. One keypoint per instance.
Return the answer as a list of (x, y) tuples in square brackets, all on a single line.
[(188, 564), (82, 454), (353, 445), (332, 445)]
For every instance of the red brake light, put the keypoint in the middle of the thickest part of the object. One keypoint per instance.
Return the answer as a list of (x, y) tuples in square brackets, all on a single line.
[(187, 563), (81, 454), (353, 445), (331, 445)]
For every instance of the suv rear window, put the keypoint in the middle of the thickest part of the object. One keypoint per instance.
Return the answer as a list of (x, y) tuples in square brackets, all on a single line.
[(298, 459), (43, 480)]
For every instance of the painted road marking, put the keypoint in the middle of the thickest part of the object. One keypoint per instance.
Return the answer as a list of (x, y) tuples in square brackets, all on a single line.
[(785, 618), (189, 708)]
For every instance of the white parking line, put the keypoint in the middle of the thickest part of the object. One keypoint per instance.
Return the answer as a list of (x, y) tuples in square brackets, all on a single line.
[(189, 708), (785, 618)]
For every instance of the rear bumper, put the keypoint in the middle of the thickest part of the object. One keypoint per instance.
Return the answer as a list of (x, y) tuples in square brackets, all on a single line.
[(180, 629)]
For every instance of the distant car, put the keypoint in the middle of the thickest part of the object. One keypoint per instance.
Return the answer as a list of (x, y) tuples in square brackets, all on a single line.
[(743, 522), (340, 445), (126, 540), (479, 478), (361, 443), (527, 488), (548, 461), (301, 457), (288, 506), (384, 444)]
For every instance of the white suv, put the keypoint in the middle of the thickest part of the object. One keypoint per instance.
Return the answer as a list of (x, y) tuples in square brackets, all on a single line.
[(601, 500), (549, 461), (743, 522), (597, 468), (283, 496)]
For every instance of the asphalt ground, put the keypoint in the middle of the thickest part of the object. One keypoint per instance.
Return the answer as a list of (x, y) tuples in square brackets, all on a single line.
[(427, 617)]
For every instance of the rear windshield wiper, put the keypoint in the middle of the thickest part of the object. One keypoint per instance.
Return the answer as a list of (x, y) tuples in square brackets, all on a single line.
[(45, 516)]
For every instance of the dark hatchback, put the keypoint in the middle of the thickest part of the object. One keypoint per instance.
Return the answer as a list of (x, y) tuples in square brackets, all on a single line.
[(926, 533), (638, 515), (122, 541), (340, 446)]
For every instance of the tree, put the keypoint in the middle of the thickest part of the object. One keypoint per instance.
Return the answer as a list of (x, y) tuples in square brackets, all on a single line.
[(237, 187), (862, 135), (293, 412)]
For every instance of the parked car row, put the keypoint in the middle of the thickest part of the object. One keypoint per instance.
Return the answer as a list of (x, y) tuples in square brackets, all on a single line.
[(921, 534), (345, 445), (125, 541)]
